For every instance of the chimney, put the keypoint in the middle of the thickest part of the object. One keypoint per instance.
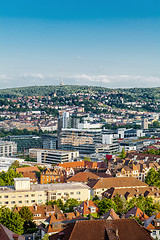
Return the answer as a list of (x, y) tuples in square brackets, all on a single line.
[(15, 236), (35, 207), (116, 230), (77, 213), (91, 217)]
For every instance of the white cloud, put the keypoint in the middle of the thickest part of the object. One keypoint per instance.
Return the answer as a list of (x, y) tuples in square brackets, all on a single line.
[(32, 75), (111, 81), (3, 76), (79, 58), (123, 80)]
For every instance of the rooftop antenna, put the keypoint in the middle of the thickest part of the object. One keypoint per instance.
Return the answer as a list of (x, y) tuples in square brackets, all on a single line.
[(61, 84)]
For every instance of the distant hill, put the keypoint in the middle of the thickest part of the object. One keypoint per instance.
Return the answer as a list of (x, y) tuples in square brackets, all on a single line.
[(141, 93)]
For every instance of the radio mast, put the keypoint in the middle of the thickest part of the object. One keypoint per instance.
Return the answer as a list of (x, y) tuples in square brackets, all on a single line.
[(61, 84)]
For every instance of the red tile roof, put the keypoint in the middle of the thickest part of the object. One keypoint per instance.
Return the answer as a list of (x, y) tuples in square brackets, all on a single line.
[(6, 234), (83, 177), (136, 212), (123, 229), (84, 207), (116, 182), (28, 169)]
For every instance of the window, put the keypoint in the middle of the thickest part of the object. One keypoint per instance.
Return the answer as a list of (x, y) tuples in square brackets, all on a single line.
[(20, 196), (39, 195), (26, 196), (13, 196), (39, 200), (154, 232), (5, 202), (58, 193), (53, 194), (5, 196), (32, 201), (19, 201), (26, 201), (32, 195), (71, 193), (12, 202), (0, 202), (53, 198), (78, 192)]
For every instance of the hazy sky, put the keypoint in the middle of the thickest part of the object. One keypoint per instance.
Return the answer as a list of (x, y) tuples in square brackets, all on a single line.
[(110, 43)]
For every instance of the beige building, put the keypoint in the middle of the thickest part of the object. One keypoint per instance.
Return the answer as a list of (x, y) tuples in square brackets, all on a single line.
[(103, 184), (25, 194)]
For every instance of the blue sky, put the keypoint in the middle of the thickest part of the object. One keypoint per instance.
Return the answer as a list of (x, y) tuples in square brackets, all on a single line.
[(110, 43)]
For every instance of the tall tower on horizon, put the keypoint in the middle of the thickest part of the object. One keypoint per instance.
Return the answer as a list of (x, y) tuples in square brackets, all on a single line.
[(61, 84)]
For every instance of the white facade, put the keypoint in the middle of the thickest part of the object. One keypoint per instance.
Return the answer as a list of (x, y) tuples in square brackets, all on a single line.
[(109, 138), (87, 125), (7, 148), (65, 119), (53, 156), (6, 162)]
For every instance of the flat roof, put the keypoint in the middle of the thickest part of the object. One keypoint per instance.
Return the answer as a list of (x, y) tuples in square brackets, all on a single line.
[(46, 187), (22, 179), (52, 150)]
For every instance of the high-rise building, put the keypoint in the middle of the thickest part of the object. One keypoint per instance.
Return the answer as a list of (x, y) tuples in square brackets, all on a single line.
[(66, 119), (144, 123)]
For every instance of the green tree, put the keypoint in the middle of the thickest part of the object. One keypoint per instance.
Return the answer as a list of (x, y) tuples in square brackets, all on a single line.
[(144, 203), (26, 214), (1, 182), (15, 164), (123, 154), (151, 177), (11, 220), (138, 220), (121, 204), (96, 200), (156, 124), (57, 202), (87, 159), (70, 204), (105, 204), (45, 237), (8, 176)]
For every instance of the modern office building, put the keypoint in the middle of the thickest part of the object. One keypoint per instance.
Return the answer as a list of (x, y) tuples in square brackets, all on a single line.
[(25, 142), (49, 141), (25, 194), (87, 141), (52, 156), (7, 148)]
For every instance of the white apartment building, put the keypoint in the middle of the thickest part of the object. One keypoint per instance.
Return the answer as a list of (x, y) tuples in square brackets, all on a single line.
[(52, 156), (6, 162), (7, 148), (25, 194)]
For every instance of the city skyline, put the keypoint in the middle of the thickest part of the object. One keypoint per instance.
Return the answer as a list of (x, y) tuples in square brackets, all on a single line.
[(108, 43)]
